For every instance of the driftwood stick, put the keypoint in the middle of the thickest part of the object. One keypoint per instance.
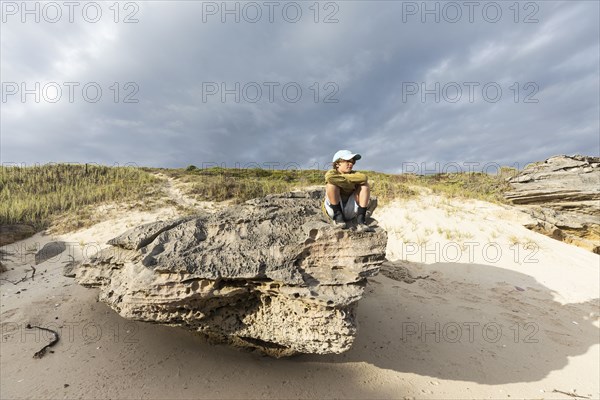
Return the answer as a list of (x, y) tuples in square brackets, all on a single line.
[(570, 394), (55, 339), (23, 279)]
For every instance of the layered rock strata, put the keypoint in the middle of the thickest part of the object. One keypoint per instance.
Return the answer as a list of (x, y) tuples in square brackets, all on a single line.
[(563, 195), (269, 274)]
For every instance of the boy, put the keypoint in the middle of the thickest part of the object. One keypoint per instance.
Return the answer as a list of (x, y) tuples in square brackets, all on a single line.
[(347, 191)]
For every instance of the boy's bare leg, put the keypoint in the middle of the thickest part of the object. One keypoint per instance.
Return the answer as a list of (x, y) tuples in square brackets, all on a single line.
[(363, 194), (333, 194)]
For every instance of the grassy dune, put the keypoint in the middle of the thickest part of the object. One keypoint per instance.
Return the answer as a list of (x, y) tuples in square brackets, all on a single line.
[(36, 195), (239, 185), (218, 184), (474, 185), (42, 195)]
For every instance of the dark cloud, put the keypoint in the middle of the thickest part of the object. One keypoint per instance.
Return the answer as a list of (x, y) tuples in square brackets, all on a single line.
[(366, 64)]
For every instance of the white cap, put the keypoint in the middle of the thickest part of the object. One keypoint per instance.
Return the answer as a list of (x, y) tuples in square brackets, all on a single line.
[(345, 155)]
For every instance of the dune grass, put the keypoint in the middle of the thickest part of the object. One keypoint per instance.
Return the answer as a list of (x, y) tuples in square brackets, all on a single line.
[(239, 185), (36, 195), (473, 185), (42, 195)]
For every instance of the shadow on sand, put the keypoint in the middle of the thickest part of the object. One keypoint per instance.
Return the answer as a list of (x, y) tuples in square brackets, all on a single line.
[(477, 323)]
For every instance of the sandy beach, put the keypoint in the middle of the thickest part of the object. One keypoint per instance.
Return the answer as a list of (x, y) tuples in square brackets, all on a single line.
[(230, 152), (493, 311)]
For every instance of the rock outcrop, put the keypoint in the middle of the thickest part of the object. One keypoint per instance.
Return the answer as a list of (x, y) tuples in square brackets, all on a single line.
[(269, 274), (50, 250), (563, 195)]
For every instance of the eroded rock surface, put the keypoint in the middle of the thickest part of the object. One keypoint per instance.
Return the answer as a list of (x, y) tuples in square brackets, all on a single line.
[(563, 195), (269, 274)]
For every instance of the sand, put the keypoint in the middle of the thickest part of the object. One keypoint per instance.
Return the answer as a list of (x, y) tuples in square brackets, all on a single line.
[(499, 312)]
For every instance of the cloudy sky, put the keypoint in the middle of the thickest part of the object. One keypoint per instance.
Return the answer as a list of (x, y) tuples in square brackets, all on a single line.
[(412, 86)]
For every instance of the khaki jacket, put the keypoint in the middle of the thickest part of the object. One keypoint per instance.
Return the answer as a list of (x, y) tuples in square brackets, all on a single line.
[(346, 182)]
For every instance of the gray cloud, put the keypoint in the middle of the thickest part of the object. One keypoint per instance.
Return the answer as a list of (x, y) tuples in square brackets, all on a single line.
[(370, 58)]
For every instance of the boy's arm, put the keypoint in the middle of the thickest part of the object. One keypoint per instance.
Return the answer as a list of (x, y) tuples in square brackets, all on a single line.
[(335, 178), (357, 178)]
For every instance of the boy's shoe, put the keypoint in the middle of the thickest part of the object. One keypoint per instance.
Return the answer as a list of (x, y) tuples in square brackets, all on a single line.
[(372, 206), (364, 228), (338, 221), (361, 226), (360, 219)]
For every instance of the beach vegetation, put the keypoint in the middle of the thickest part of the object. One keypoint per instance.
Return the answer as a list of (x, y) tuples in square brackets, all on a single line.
[(69, 194), (36, 195)]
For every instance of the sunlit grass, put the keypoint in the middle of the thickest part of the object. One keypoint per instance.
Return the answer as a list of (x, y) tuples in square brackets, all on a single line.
[(474, 185), (68, 193), (35, 195), (238, 185)]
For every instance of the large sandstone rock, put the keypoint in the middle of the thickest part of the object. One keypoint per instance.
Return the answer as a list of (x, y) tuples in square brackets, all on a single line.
[(563, 195), (269, 274)]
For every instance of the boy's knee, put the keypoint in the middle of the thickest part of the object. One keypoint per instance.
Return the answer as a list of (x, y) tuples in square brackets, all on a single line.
[(363, 187)]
